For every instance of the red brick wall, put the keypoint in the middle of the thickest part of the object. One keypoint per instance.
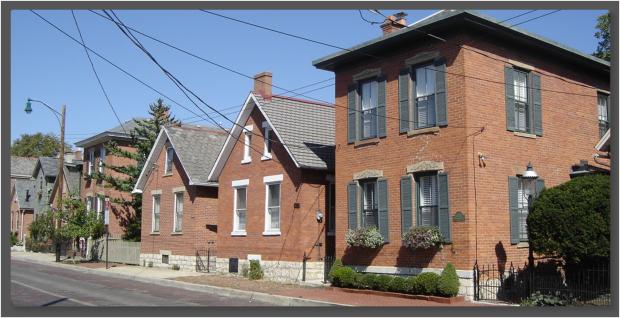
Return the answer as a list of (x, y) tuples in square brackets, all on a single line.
[(94, 187), (570, 133), (199, 210), (298, 226)]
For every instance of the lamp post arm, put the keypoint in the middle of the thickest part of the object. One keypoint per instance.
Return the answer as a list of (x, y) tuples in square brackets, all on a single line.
[(56, 113)]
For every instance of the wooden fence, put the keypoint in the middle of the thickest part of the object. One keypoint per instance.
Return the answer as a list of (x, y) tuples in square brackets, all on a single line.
[(119, 251)]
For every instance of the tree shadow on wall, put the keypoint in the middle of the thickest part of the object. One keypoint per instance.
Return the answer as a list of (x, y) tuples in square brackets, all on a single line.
[(419, 258), (359, 255)]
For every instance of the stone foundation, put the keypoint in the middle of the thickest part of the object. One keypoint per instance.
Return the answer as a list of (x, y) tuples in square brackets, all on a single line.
[(280, 271), (186, 263)]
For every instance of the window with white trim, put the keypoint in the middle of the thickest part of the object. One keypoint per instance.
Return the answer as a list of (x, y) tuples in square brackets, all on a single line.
[(169, 158), (369, 103), (89, 204), (240, 209), (91, 161), (266, 141), (247, 144), (272, 208), (370, 209), (156, 203), (523, 199), (428, 204), (178, 212), (100, 205), (424, 110), (522, 114), (603, 114), (101, 158)]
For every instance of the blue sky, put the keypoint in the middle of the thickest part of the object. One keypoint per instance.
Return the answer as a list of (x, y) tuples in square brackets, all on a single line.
[(46, 65)]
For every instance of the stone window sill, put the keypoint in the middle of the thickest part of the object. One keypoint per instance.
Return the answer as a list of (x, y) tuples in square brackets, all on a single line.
[(523, 245), (525, 135), (238, 233), (272, 233), (244, 161), (366, 142), (154, 233), (263, 158), (176, 233), (429, 130), (167, 174)]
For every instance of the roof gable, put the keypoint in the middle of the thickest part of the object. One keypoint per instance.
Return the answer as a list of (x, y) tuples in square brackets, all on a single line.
[(22, 166), (25, 192)]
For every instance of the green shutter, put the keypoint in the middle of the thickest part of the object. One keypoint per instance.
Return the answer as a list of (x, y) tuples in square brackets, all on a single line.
[(510, 98), (513, 207), (403, 99), (418, 215), (444, 207), (382, 205), (381, 101), (352, 122), (540, 185), (406, 203), (352, 195), (536, 101), (440, 93)]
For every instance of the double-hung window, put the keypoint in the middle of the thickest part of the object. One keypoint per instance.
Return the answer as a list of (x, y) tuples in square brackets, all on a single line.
[(156, 204), (91, 161), (240, 207), (521, 192), (370, 210), (603, 114), (267, 141), (523, 202), (89, 204), (424, 110), (178, 211), (101, 158), (368, 95), (247, 144), (522, 113), (272, 221), (428, 201), (100, 204), (169, 160)]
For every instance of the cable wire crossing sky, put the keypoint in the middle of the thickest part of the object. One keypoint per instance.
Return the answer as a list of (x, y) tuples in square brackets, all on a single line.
[(213, 53)]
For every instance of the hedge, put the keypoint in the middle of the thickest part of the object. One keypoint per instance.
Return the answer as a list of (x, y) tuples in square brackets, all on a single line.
[(446, 284)]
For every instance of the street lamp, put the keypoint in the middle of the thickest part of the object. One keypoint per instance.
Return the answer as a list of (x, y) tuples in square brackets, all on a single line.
[(61, 158), (529, 182)]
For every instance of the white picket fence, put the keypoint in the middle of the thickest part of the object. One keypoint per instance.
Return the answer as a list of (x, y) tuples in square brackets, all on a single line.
[(119, 251)]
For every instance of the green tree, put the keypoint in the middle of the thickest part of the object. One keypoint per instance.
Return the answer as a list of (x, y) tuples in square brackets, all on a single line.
[(571, 220), (37, 145), (142, 138), (603, 24)]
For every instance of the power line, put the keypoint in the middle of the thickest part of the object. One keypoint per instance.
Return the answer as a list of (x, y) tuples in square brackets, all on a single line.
[(538, 17), (366, 20), (97, 75), (517, 16)]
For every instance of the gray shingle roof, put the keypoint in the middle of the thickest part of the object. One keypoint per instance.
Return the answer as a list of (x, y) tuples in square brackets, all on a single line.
[(307, 128), (49, 166), (116, 132), (22, 166), (25, 190), (73, 177), (197, 149)]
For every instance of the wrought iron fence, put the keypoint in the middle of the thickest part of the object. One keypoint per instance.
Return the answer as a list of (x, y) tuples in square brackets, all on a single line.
[(328, 261), (584, 285), (205, 260)]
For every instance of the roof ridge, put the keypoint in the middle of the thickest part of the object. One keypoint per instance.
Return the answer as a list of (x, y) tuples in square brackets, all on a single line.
[(303, 101)]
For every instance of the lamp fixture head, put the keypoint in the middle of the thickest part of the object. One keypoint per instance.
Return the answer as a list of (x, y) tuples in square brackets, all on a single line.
[(28, 109), (529, 172), (319, 216)]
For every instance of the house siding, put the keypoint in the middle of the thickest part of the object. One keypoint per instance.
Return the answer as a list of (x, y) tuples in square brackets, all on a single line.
[(570, 129), (281, 255)]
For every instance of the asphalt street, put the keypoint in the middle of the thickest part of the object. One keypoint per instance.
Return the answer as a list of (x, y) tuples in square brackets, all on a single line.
[(34, 284)]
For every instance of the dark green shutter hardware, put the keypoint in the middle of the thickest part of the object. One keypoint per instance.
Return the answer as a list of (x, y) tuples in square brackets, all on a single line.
[(537, 103), (510, 99), (403, 100), (406, 203), (381, 101), (352, 119), (382, 204), (352, 204), (513, 208), (444, 206), (440, 92)]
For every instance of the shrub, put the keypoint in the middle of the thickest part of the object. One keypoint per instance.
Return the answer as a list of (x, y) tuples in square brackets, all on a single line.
[(245, 270), (175, 267), (399, 285), (540, 300), (368, 237), (346, 277), (422, 237), (427, 283), (448, 284), (412, 285), (572, 220), (256, 272), (367, 281), (337, 264), (382, 282), (14, 240)]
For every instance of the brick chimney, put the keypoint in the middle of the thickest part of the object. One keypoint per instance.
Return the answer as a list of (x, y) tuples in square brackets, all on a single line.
[(394, 23), (262, 84)]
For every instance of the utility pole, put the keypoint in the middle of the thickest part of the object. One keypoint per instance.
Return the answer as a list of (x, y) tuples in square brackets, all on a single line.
[(59, 178)]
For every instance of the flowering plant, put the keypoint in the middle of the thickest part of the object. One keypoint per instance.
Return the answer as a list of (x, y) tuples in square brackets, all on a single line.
[(423, 237), (368, 237)]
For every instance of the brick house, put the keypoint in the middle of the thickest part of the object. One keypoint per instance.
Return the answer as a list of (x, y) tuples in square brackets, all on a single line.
[(274, 175), (22, 206), (94, 192), (72, 179), (439, 132), (179, 204)]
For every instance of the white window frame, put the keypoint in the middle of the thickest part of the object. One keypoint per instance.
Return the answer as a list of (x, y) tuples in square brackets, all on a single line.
[(169, 161), (100, 204), (247, 144), (266, 141), (371, 111), (175, 212), (91, 161), (153, 230), (89, 203), (272, 180), (102, 154), (239, 184)]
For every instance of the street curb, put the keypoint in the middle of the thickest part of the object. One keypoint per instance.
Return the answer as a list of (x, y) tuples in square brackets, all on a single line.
[(215, 290)]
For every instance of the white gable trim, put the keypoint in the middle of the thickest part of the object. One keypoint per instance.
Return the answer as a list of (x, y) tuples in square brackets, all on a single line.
[(603, 141), (243, 116), (149, 162)]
